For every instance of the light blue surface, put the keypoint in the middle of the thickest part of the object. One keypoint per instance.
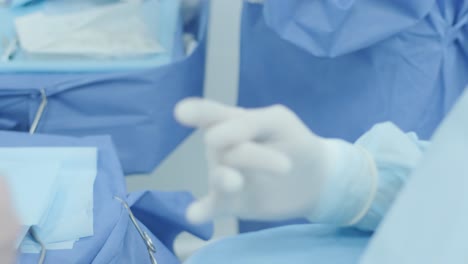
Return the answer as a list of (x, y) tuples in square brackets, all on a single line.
[(161, 16), (24, 230), (344, 66), (71, 214), (33, 187), (70, 195), (427, 223), (298, 244)]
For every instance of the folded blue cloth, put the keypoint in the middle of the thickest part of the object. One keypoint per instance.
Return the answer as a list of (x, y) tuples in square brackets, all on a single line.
[(68, 211)]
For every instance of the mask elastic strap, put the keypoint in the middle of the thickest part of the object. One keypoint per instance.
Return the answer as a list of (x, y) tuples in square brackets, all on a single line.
[(39, 113), (148, 242)]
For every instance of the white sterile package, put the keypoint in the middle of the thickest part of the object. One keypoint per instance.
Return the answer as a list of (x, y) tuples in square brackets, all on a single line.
[(111, 30), (68, 215)]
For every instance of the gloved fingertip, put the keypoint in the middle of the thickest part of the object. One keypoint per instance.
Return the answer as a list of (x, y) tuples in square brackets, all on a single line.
[(284, 165), (212, 140), (233, 183), (196, 215), (227, 180), (185, 111)]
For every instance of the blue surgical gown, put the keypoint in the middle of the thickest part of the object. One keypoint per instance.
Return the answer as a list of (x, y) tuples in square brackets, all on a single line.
[(345, 65)]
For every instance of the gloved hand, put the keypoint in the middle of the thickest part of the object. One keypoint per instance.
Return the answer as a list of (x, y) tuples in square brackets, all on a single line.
[(265, 164), (8, 226)]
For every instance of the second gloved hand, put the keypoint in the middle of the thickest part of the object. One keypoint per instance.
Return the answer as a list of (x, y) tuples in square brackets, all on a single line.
[(265, 164)]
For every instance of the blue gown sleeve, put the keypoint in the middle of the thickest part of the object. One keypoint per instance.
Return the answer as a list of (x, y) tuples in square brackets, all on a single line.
[(329, 28), (396, 154)]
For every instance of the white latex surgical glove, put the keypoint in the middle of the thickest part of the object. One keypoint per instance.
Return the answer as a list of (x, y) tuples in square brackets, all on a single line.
[(265, 164), (9, 226)]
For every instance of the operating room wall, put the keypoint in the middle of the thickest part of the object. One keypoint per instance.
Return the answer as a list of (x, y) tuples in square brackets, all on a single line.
[(185, 168)]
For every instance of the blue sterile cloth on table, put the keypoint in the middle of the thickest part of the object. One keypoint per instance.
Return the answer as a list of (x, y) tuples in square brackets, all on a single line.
[(115, 239), (132, 101), (139, 118), (296, 244), (345, 65)]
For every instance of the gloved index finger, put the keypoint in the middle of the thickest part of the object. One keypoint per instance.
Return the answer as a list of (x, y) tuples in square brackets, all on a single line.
[(202, 211), (202, 113), (257, 157), (215, 204), (259, 124)]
